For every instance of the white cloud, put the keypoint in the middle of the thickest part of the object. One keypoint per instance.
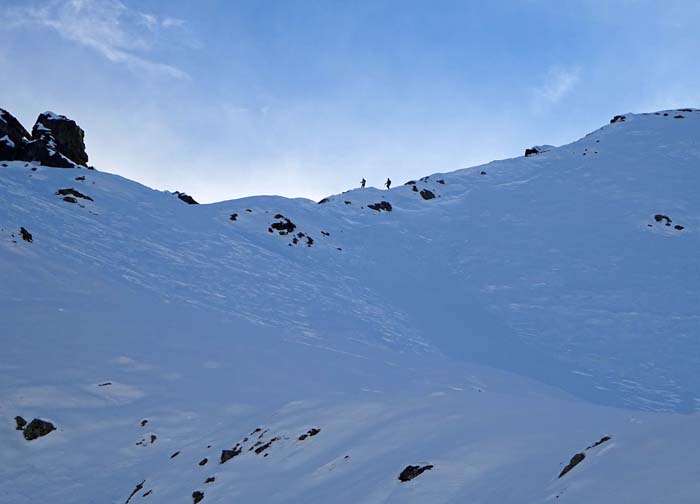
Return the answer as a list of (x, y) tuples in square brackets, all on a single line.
[(559, 82), (109, 27)]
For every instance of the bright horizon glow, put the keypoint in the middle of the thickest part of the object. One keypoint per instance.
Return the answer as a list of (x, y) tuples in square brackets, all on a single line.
[(230, 99)]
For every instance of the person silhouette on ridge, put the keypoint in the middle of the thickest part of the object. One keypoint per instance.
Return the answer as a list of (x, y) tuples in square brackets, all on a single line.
[(362, 183), (388, 183)]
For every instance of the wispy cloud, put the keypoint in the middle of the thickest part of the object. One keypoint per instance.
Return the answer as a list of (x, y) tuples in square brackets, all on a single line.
[(558, 83), (117, 32)]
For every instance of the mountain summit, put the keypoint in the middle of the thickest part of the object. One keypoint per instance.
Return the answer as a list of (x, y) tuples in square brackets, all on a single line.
[(525, 331)]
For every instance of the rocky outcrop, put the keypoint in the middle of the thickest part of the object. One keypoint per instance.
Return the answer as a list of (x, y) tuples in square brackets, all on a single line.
[(69, 138), (12, 134), (186, 198), (55, 141)]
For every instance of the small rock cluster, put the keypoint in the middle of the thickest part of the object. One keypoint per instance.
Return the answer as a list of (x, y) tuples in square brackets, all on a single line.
[(666, 220), (35, 429)]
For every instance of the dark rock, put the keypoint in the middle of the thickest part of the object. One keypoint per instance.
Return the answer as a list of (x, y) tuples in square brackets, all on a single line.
[(483, 173), (411, 182), (69, 138), (143, 423), (279, 216), (73, 192), (426, 194), (105, 384), (309, 433), (382, 205), (197, 496), (12, 136), (348, 202), (43, 151), (248, 210), (229, 454), (309, 241), (265, 446), (678, 227), (79, 179), (203, 461), (175, 454), (325, 233), (19, 421), (70, 199), (575, 460), (26, 235), (661, 218), (233, 216), (324, 200), (679, 116), (147, 493), (186, 198), (440, 181), (531, 151), (285, 226), (412, 471), (37, 428), (210, 479), (153, 438), (599, 442), (414, 189), (617, 119), (665, 114), (136, 490), (685, 110)]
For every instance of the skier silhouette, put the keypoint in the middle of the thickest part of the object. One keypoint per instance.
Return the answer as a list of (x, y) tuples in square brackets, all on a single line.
[(388, 183), (362, 183)]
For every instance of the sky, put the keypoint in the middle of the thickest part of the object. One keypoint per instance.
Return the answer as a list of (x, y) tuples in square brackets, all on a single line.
[(303, 98)]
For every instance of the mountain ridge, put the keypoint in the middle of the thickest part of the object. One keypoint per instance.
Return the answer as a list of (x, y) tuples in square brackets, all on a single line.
[(493, 331)]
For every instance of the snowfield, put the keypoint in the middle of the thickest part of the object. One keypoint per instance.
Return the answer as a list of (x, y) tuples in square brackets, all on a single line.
[(491, 322)]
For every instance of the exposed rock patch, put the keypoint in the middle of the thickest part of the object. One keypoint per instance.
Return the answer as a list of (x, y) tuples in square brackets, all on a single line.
[(185, 197), (26, 235), (284, 226), (136, 490), (427, 194), (412, 471), (382, 205), (575, 460), (20, 423), (617, 119), (38, 428), (197, 496), (310, 433), (229, 454), (599, 442), (72, 192)]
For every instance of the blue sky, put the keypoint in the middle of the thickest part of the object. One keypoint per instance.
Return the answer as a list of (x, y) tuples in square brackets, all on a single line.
[(225, 99)]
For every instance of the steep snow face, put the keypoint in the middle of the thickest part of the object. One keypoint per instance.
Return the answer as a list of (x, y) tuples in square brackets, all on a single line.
[(491, 322)]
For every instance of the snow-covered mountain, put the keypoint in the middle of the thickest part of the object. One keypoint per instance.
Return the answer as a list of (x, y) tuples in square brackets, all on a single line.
[(490, 327)]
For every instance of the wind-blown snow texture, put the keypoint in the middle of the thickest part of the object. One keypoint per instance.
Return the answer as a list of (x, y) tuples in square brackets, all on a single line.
[(532, 307)]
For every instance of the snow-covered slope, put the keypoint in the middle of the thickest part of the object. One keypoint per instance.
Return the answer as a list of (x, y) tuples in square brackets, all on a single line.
[(531, 307)]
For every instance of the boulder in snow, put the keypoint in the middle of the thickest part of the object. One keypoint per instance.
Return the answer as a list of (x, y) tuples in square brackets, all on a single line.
[(412, 471), (37, 428)]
